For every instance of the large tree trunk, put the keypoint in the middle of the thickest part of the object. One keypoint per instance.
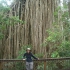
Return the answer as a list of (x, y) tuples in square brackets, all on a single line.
[(38, 16)]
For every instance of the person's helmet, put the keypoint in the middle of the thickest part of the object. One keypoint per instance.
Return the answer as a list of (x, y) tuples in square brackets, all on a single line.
[(29, 49)]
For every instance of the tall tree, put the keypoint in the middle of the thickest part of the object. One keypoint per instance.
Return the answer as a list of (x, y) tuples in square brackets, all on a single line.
[(38, 17)]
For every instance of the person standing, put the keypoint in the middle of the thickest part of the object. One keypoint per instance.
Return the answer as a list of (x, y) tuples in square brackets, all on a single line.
[(29, 62)]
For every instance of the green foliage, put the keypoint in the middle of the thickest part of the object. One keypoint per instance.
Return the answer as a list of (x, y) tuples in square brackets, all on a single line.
[(20, 65), (55, 54), (15, 20), (60, 43), (5, 19), (40, 55), (40, 66), (1, 35), (56, 12), (53, 36), (64, 50), (59, 38)]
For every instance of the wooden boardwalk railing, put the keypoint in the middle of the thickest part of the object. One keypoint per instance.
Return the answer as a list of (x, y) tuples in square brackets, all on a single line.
[(44, 60)]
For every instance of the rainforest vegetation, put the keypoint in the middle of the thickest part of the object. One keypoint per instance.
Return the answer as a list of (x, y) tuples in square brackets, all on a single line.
[(42, 25)]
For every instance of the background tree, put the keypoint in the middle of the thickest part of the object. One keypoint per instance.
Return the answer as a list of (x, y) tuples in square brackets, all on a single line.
[(38, 17)]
